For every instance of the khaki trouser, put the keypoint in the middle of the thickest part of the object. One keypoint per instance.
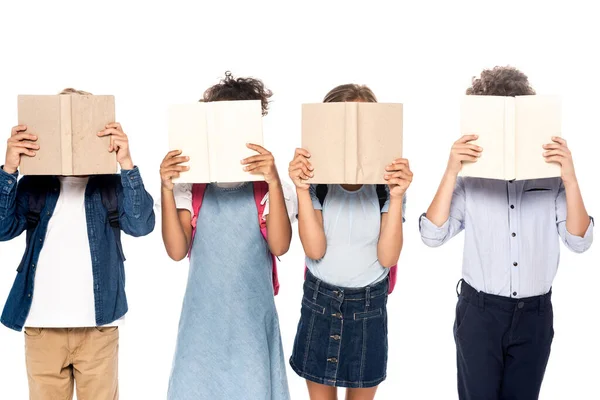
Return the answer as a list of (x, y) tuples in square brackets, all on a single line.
[(56, 358)]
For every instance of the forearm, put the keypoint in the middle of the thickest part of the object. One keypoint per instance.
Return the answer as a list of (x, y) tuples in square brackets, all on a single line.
[(310, 227), (578, 219), (175, 239), (391, 237), (439, 210), (279, 227)]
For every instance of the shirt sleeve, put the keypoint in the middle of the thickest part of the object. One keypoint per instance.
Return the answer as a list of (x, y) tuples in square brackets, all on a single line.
[(183, 197), (386, 205), (291, 202), (575, 243), (433, 235)]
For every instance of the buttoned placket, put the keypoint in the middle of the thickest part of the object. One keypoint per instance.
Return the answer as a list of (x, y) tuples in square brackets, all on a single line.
[(513, 224)]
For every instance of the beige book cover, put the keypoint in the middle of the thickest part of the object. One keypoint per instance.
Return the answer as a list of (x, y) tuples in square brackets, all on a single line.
[(67, 127), (353, 142), (214, 135), (512, 131)]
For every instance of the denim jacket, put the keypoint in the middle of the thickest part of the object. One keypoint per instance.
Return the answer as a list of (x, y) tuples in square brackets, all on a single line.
[(136, 218)]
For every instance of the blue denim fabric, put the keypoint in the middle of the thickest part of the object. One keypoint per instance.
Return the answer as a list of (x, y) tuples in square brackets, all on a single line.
[(136, 219), (342, 334)]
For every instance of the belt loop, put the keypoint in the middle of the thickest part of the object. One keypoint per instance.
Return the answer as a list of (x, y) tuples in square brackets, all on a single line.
[(316, 291), (459, 284), (368, 296), (542, 305), (480, 300)]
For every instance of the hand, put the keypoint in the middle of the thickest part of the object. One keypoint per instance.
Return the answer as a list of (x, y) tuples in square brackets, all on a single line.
[(398, 177), (261, 164), (558, 152), (462, 151), (170, 168), (119, 143), (19, 143), (301, 169)]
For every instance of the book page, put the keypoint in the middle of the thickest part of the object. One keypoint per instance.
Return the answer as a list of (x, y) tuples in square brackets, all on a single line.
[(379, 140), (42, 116), (485, 116), (90, 115), (324, 137), (188, 133), (233, 124), (537, 119)]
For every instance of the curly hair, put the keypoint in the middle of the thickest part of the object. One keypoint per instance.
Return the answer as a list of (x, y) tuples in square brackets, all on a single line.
[(501, 81), (72, 91), (350, 92), (231, 88)]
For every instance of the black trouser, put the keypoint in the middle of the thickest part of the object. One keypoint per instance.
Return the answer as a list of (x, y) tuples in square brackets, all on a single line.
[(502, 345)]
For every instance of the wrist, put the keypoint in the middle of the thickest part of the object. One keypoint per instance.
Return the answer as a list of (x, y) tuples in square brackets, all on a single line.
[(165, 190), (570, 181), (8, 169), (127, 164)]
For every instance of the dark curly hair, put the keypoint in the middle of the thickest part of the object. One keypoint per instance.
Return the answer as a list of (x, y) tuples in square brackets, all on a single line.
[(501, 81), (350, 92), (231, 88)]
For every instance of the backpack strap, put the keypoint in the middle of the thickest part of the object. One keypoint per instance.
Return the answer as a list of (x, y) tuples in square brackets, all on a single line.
[(198, 190), (382, 195), (35, 205), (261, 189), (110, 201), (322, 193)]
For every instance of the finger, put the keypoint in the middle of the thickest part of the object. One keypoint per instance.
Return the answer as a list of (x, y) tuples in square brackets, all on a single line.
[(16, 129), (469, 146), (467, 138), (555, 153), (301, 152), (27, 145), (254, 166), (559, 140), (399, 175), (174, 161), (171, 175), (115, 125), (464, 157), (258, 158), (397, 181), (176, 168), (257, 148), (555, 146), (301, 169), (27, 152), (23, 136), (467, 152), (555, 159), (302, 160), (111, 132), (171, 154)]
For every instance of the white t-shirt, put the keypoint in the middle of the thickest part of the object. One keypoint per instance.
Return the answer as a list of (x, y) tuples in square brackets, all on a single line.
[(63, 290), (182, 193)]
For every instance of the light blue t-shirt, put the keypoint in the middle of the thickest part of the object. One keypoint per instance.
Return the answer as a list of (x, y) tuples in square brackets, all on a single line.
[(352, 222)]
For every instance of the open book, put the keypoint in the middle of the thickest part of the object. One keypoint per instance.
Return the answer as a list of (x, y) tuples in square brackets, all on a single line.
[(512, 131), (214, 135), (351, 143), (67, 128)]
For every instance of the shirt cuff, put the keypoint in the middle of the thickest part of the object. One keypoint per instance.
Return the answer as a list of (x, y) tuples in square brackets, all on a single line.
[(8, 181), (429, 230), (131, 178), (578, 243)]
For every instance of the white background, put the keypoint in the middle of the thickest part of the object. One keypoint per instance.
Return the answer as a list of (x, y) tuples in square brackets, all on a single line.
[(421, 53)]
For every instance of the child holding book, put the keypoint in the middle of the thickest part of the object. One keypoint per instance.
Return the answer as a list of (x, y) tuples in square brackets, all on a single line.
[(504, 320), (229, 345), (69, 292), (352, 236)]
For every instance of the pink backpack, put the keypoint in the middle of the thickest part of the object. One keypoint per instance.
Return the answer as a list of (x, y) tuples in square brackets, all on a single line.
[(260, 191)]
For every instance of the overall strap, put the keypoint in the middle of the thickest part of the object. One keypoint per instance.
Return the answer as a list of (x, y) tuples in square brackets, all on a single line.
[(322, 193), (108, 194), (198, 190), (261, 189), (382, 195)]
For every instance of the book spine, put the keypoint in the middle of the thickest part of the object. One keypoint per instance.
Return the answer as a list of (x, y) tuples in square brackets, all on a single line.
[(510, 159), (66, 135), (351, 143), (211, 141)]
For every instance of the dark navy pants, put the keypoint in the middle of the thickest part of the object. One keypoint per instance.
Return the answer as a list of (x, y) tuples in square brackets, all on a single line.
[(502, 345)]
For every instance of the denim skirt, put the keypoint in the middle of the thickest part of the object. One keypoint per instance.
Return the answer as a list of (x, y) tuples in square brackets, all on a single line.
[(342, 334)]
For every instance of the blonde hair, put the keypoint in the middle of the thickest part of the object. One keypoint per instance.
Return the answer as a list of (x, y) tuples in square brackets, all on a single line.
[(72, 91), (350, 92)]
